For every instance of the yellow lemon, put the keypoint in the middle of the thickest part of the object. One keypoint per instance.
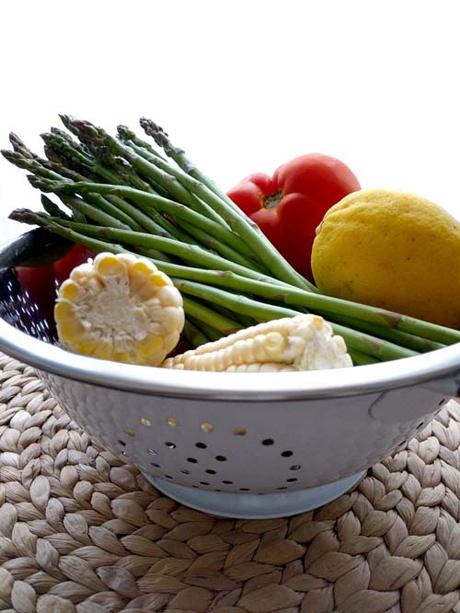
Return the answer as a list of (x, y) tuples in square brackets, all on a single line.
[(393, 250)]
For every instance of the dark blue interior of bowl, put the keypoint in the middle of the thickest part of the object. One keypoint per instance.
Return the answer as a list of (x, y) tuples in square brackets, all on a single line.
[(28, 282)]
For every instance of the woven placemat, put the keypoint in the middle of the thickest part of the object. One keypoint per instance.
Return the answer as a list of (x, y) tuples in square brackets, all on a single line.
[(82, 532)]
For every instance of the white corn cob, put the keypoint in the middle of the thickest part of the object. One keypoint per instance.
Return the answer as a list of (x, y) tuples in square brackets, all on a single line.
[(121, 308), (304, 342)]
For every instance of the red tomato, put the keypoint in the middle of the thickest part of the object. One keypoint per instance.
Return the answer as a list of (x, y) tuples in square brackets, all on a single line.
[(289, 206)]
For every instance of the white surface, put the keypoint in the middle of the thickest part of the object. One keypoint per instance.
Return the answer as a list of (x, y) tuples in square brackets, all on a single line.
[(244, 85)]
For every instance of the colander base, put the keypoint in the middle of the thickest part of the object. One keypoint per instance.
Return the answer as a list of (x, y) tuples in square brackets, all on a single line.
[(253, 506)]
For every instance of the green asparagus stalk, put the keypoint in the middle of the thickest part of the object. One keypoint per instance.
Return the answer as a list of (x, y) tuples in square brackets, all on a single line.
[(176, 210), (213, 243), (210, 317), (356, 341), (128, 136), (53, 209), (247, 230), (193, 334), (432, 336), (211, 333), (245, 281), (99, 141), (244, 228), (383, 350), (187, 252), (31, 164), (199, 206), (178, 155)]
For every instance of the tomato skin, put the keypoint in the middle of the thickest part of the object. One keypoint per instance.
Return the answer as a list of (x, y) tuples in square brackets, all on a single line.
[(290, 205), (76, 255)]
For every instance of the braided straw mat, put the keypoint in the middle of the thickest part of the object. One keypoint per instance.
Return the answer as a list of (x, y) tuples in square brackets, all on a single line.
[(82, 532)]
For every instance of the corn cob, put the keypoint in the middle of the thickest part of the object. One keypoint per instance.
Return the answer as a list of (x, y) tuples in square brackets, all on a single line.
[(303, 342), (121, 308)]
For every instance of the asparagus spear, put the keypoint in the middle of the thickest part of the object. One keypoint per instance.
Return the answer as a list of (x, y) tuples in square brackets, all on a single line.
[(193, 334), (359, 341), (128, 136), (178, 155), (220, 273), (99, 142), (199, 206), (175, 210), (247, 230), (31, 164)]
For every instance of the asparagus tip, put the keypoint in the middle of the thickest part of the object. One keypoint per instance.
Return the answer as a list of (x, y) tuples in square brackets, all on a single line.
[(11, 156), (125, 133), (62, 134), (19, 146), (66, 119), (46, 137), (157, 133), (45, 185), (15, 140), (24, 216), (153, 129), (52, 155), (52, 208)]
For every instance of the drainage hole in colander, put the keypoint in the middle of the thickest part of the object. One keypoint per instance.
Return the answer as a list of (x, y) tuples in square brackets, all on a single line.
[(171, 421), (206, 426), (192, 460), (168, 477), (144, 421), (244, 489), (268, 441), (201, 445), (221, 458), (185, 471), (295, 467), (155, 464), (152, 452), (204, 483), (122, 442), (170, 445), (210, 471), (283, 487), (291, 480), (239, 431), (227, 482), (287, 454)]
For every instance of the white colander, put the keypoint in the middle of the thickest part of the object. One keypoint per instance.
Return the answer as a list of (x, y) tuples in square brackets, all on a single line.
[(245, 445), (234, 444)]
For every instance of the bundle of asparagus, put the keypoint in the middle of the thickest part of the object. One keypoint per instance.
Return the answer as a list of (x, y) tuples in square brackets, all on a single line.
[(126, 195)]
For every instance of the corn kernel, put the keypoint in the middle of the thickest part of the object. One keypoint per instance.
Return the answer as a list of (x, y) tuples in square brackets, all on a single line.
[(108, 265), (69, 290)]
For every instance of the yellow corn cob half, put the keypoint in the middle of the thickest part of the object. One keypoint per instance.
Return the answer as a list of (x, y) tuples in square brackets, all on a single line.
[(121, 308), (304, 342)]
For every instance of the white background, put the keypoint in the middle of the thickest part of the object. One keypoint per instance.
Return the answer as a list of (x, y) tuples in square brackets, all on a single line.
[(244, 85)]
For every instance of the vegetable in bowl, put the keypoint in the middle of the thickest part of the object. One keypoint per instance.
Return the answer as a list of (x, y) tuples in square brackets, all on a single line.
[(124, 195)]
